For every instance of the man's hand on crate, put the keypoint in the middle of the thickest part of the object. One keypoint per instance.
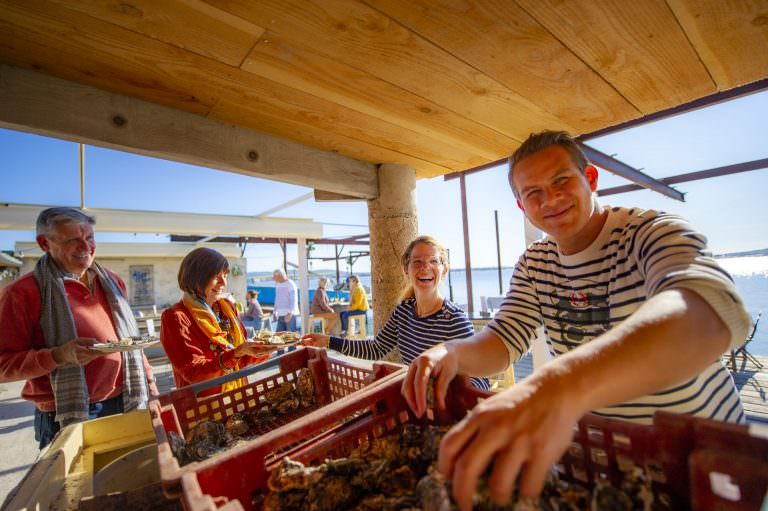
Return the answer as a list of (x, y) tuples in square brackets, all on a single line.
[(522, 431), (483, 354)]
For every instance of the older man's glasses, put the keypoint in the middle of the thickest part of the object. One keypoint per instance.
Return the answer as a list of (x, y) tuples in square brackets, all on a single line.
[(432, 262)]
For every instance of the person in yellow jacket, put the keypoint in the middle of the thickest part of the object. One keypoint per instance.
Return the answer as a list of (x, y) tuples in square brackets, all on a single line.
[(358, 303)]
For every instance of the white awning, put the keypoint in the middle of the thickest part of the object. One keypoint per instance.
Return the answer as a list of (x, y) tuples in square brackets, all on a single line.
[(7, 260), (21, 217), (123, 250)]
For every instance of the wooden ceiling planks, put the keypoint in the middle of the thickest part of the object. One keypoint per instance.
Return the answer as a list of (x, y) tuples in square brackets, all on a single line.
[(731, 37), (46, 37), (441, 85), (636, 46), (361, 37), (306, 69), (502, 41), (189, 24), (197, 76)]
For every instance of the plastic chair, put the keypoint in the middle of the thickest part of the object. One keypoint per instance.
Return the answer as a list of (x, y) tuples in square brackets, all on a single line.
[(742, 350), (357, 323), (490, 304), (323, 323)]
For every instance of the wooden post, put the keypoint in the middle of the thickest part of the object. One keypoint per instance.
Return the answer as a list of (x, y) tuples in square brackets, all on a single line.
[(337, 253), (393, 224), (539, 349), (465, 225), (498, 250), (81, 152)]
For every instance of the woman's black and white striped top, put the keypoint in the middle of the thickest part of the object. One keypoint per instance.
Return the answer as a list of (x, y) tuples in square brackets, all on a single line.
[(578, 297), (412, 334)]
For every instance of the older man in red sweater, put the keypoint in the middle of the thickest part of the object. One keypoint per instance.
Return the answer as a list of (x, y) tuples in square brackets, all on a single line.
[(50, 317)]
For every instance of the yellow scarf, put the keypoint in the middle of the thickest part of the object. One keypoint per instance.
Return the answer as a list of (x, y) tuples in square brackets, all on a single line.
[(205, 318)]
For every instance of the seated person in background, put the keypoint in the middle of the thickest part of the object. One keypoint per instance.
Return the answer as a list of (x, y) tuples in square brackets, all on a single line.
[(252, 316), (286, 302), (49, 318), (358, 303), (201, 334), (634, 306), (321, 306), (422, 319)]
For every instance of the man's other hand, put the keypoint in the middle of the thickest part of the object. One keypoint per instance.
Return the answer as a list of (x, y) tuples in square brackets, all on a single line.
[(523, 430), (438, 362)]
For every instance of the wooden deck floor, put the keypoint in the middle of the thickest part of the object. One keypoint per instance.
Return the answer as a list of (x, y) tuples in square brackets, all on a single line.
[(751, 381)]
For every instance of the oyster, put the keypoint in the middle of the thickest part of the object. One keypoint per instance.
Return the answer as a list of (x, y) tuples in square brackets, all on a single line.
[(434, 493), (178, 447), (205, 439), (293, 475), (287, 405), (331, 493), (237, 425), (305, 387), (280, 393), (607, 497)]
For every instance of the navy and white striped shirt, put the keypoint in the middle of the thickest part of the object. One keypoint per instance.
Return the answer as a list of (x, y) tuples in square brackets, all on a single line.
[(412, 334), (578, 297)]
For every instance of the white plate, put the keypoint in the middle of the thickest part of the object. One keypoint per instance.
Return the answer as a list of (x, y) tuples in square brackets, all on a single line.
[(276, 345), (114, 348)]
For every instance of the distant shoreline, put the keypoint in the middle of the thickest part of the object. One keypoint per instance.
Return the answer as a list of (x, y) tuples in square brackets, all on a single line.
[(748, 253), (332, 273)]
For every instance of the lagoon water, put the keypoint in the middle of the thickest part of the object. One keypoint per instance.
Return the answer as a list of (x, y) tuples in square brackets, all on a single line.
[(749, 273)]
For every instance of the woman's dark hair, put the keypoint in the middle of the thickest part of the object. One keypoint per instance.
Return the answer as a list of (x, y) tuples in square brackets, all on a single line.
[(199, 267), (252, 294)]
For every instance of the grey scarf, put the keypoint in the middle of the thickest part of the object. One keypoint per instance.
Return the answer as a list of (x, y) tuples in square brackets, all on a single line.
[(68, 382)]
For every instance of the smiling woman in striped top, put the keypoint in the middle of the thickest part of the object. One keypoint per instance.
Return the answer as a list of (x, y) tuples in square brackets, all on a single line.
[(423, 318)]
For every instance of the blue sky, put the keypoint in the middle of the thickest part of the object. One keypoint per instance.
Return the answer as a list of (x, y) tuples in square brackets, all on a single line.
[(731, 211)]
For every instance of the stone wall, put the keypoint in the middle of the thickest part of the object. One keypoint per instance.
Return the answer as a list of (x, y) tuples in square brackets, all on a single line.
[(164, 271)]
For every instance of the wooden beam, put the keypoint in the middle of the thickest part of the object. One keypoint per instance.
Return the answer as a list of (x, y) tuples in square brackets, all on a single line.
[(694, 176), (326, 196), (44, 105), (620, 168)]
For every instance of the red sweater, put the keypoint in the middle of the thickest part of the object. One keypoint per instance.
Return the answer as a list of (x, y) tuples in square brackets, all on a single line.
[(189, 349), (24, 356)]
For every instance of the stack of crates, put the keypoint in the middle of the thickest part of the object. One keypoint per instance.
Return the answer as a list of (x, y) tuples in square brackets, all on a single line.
[(693, 463)]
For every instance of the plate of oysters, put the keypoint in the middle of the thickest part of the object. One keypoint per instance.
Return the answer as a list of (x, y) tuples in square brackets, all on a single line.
[(278, 339), (126, 344)]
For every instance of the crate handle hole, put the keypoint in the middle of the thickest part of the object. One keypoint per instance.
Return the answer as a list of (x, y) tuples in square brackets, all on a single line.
[(723, 486), (621, 440)]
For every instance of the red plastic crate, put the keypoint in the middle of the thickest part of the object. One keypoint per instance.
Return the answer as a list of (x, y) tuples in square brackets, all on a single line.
[(378, 409), (678, 452), (182, 409)]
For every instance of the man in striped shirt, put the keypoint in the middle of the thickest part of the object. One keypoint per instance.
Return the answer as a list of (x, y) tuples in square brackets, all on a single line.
[(633, 305)]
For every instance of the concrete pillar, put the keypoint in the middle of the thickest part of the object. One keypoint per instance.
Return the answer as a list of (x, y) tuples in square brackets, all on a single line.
[(301, 248), (393, 224)]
